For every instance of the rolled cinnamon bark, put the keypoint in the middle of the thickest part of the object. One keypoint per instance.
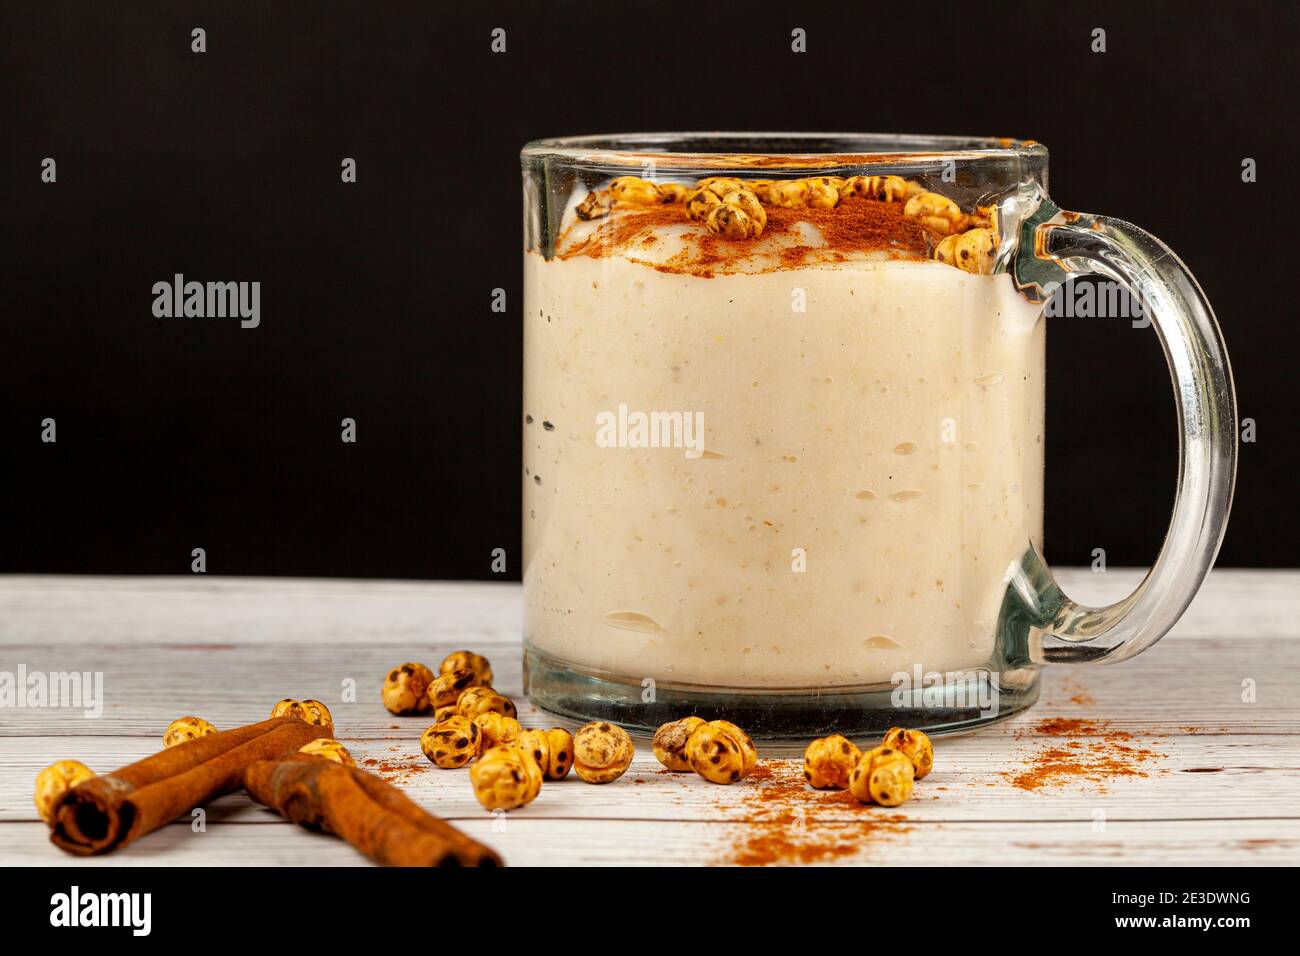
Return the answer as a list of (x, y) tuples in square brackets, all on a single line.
[(375, 817), (107, 812)]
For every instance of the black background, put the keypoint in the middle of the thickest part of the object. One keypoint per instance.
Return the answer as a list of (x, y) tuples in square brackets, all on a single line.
[(183, 433)]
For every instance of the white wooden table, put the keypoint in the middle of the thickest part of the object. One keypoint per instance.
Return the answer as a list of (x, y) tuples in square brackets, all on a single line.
[(1220, 783)]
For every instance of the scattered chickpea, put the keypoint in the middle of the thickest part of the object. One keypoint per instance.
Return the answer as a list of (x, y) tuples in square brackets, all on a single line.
[(537, 745), (602, 752), (505, 778), (452, 743), (670, 743), (883, 775), (721, 752), (828, 761), (443, 713), (314, 712), (915, 745), (498, 730), (186, 728), (330, 749), (480, 700), (406, 689), (446, 688), (561, 742), (288, 707), (56, 780), (310, 711), (468, 661)]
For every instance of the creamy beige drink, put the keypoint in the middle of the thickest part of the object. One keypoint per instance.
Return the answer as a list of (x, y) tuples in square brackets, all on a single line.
[(870, 460)]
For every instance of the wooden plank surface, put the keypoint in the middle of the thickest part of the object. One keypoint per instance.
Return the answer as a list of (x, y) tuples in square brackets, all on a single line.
[(1215, 774)]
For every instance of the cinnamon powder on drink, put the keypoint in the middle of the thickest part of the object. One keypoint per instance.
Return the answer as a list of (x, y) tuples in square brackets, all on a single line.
[(856, 226)]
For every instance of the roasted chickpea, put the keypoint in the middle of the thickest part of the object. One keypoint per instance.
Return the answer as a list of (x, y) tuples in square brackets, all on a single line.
[(561, 753), (673, 192), (602, 752), (56, 780), (452, 743), (974, 251), (946, 250), (468, 661), (442, 713), (721, 752), (883, 775), (937, 213), (505, 778), (446, 688), (888, 188), (745, 200), (720, 185), (330, 749), (480, 700), (596, 205), (537, 745), (670, 743), (314, 712), (289, 707), (498, 729), (786, 193), (915, 745), (828, 761), (700, 203), (822, 192), (186, 728), (634, 191), (406, 689), (857, 186), (731, 222)]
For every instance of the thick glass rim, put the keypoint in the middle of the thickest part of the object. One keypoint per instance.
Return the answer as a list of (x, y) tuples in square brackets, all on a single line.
[(773, 150)]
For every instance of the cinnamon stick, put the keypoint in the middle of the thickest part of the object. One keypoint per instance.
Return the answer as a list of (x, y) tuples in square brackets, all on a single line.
[(107, 812), (375, 817)]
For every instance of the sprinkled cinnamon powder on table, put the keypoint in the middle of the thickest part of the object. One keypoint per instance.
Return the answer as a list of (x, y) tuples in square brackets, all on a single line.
[(1110, 756), (780, 823)]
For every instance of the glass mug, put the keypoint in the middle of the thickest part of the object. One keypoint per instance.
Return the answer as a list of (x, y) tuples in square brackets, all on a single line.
[(783, 430)]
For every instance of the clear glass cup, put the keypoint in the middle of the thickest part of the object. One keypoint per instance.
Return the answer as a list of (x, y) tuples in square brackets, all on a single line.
[(784, 465)]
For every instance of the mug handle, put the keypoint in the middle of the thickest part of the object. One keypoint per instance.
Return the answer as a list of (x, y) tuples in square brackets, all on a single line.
[(1055, 246)]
